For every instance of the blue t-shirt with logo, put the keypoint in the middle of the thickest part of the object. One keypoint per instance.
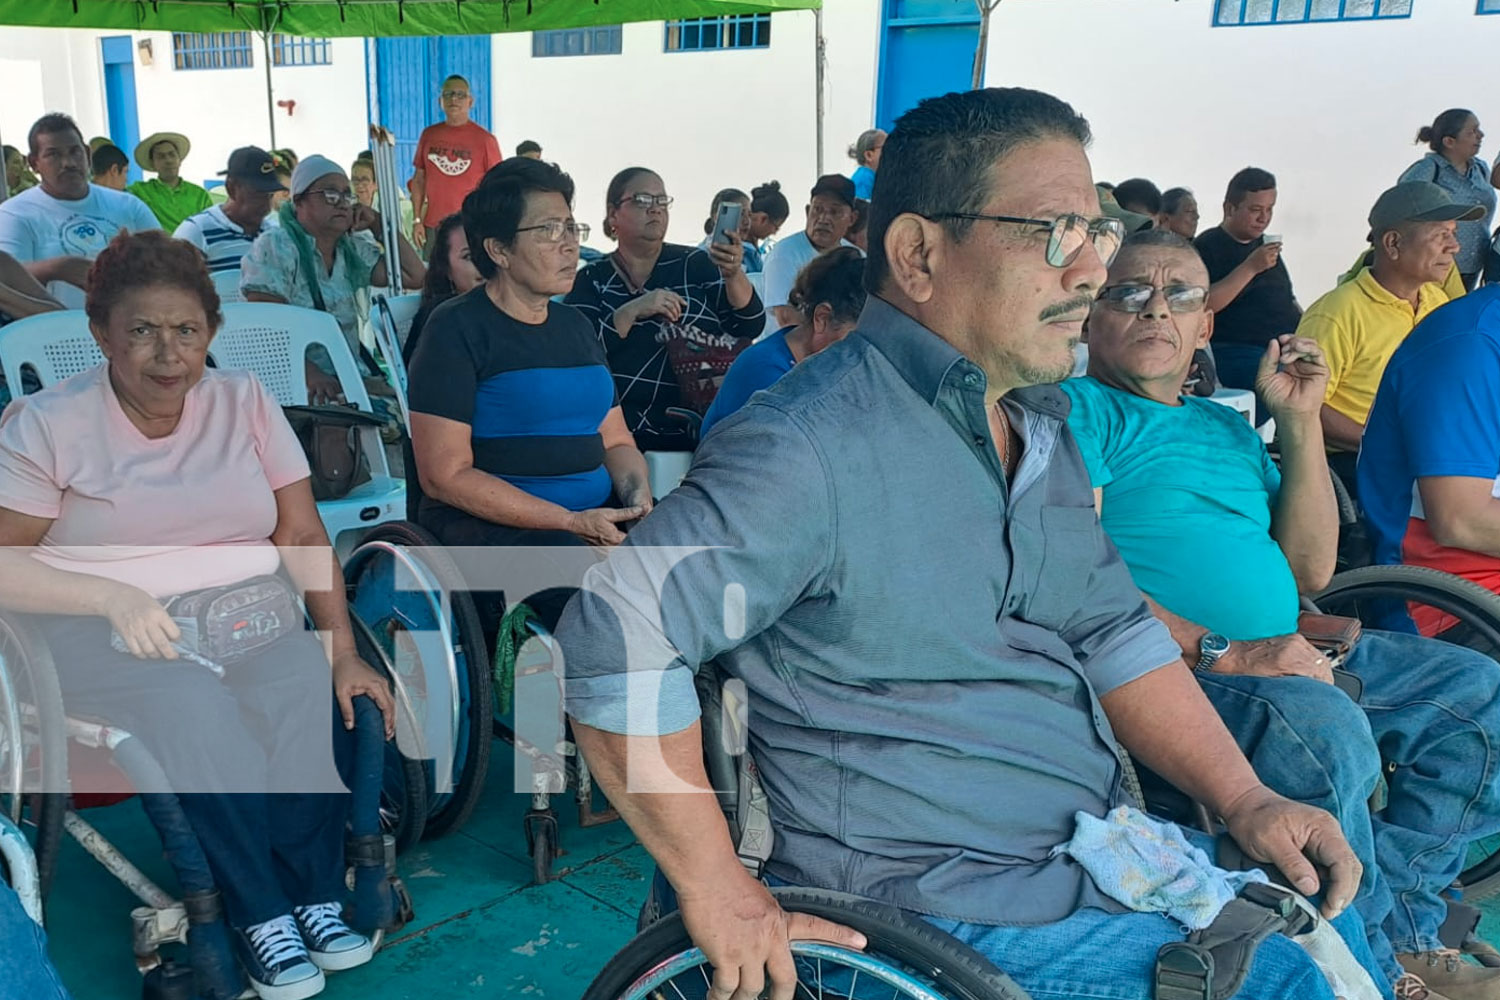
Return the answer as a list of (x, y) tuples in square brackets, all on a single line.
[(758, 367), (1436, 413), (1189, 492)]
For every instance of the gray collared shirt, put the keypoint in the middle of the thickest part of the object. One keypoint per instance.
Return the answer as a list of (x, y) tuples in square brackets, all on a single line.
[(924, 646)]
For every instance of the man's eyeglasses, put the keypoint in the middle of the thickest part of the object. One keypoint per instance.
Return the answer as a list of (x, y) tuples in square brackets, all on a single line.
[(553, 231), (1133, 298), (1066, 234), (455, 95), (337, 199), (646, 202)]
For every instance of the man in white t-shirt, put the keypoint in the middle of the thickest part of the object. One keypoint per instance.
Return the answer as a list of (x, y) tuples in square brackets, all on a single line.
[(58, 227), (224, 233), (830, 213)]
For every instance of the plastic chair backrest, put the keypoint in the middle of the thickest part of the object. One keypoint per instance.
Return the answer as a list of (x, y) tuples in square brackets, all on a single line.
[(403, 310), (268, 339), (271, 340), (56, 345), (227, 284)]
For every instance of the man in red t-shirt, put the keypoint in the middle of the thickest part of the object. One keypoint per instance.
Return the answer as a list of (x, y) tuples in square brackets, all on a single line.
[(451, 158)]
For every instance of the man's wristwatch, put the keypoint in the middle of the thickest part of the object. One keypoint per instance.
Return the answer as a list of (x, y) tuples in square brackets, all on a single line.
[(1212, 648)]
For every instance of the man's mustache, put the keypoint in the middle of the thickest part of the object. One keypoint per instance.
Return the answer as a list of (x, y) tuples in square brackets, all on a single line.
[(1082, 303)]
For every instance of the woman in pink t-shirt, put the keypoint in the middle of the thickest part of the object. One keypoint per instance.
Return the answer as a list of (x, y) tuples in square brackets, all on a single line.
[(150, 477)]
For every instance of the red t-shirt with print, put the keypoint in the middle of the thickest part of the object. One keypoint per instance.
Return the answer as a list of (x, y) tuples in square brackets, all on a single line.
[(453, 159)]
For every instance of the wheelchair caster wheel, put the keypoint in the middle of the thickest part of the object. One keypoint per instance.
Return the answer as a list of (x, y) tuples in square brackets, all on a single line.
[(541, 843)]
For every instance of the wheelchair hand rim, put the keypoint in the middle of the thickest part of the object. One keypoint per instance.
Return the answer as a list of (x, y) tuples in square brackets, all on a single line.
[(906, 987)]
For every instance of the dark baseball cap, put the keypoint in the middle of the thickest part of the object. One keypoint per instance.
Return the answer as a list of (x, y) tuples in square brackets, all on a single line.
[(254, 166), (837, 185), (1417, 201)]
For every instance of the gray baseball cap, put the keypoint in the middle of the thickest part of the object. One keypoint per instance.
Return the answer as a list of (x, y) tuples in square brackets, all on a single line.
[(1417, 201)]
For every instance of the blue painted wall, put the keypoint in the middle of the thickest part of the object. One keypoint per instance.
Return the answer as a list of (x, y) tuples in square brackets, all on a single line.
[(926, 48), (118, 55)]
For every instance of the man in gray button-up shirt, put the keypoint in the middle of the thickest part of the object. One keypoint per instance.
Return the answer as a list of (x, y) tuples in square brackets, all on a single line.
[(895, 549)]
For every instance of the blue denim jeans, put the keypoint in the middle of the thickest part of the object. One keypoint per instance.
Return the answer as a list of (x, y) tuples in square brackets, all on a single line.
[(1427, 710), (1113, 955), (25, 969)]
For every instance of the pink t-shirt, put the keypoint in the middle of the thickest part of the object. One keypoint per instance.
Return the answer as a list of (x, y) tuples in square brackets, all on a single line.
[(191, 510)]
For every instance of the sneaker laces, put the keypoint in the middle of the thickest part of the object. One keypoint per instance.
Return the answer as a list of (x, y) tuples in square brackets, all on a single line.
[(276, 941), (1411, 987), (323, 920)]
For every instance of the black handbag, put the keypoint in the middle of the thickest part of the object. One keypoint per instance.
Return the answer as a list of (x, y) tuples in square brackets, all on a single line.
[(330, 439)]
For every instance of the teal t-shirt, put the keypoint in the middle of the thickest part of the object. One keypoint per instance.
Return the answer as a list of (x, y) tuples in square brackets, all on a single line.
[(1188, 496)]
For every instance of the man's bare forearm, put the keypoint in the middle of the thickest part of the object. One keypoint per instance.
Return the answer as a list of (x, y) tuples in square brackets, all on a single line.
[(1306, 521), (1165, 721), (683, 831)]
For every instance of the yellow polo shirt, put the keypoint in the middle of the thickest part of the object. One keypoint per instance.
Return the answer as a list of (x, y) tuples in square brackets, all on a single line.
[(1359, 325)]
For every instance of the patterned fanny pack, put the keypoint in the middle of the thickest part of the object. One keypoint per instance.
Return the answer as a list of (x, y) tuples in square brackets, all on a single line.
[(223, 625)]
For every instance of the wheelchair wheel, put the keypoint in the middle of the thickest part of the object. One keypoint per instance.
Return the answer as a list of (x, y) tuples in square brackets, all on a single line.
[(33, 743), (403, 795), (1379, 596), (907, 959), (411, 595), (1370, 593)]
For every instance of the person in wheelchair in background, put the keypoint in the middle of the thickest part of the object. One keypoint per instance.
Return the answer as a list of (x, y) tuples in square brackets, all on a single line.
[(1222, 543), (150, 484), (895, 549), (518, 436)]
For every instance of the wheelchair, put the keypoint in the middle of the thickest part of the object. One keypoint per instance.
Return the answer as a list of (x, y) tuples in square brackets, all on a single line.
[(1380, 597), (907, 958), (428, 626), (42, 750)]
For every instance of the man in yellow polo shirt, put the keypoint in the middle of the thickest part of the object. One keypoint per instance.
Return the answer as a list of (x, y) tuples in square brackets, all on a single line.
[(170, 198), (1360, 323)]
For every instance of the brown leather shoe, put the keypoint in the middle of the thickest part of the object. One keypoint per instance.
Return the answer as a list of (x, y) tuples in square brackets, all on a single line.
[(1445, 971), (1411, 987)]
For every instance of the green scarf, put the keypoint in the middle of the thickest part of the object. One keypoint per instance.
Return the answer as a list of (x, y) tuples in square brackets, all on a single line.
[(311, 262)]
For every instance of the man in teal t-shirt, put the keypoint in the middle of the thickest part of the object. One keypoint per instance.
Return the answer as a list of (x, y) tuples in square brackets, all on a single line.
[(1221, 543)]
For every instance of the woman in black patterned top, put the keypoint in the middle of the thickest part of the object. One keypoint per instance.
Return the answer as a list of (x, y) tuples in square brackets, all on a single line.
[(649, 292)]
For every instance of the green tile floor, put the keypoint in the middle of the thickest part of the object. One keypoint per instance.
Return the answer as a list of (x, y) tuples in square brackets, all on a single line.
[(481, 930)]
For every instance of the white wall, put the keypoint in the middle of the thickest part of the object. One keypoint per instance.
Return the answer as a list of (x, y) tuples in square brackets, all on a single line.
[(55, 69), (1331, 109), (703, 120)]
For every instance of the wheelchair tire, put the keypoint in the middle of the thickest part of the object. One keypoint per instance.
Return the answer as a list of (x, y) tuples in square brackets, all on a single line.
[(471, 764), (36, 752), (1478, 611), (403, 796), (945, 966)]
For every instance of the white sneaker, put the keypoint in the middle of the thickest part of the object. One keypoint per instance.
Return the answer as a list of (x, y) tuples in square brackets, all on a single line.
[(276, 961), (331, 945)]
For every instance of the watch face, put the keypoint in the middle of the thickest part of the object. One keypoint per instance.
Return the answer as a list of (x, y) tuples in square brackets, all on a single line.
[(1214, 644)]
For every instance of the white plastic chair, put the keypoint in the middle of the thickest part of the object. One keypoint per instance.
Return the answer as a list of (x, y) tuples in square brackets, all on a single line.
[(227, 284), (270, 340)]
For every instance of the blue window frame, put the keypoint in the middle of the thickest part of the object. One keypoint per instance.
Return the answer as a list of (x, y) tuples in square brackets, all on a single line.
[(737, 31), (212, 50), (1234, 13), (603, 41), (1488, 7), (290, 50)]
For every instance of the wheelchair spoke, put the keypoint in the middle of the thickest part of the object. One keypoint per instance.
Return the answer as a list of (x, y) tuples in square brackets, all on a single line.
[(680, 995)]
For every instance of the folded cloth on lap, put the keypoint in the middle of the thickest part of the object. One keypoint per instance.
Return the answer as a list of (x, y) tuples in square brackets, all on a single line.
[(1151, 867)]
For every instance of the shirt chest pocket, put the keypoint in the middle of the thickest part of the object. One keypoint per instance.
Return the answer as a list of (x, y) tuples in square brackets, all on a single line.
[(1063, 551)]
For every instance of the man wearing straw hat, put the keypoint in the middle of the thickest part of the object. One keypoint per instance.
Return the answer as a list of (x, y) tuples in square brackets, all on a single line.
[(170, 198)]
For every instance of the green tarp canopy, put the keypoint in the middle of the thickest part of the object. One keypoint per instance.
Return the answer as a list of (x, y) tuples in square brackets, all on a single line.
[(368, 18)]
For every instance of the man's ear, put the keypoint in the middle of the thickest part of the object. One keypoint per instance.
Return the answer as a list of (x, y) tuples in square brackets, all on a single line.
[(1207, 333), (1389, 242), (496, 252), (911, 248)]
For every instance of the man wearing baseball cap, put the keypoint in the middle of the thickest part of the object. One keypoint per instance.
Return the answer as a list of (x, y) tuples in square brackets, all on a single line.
[(170, 198), (1359, 325), (830, 213), (225, 232)]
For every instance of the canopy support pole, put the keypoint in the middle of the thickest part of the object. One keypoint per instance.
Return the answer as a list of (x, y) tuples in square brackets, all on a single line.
[(820, 44), (265, 37)]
